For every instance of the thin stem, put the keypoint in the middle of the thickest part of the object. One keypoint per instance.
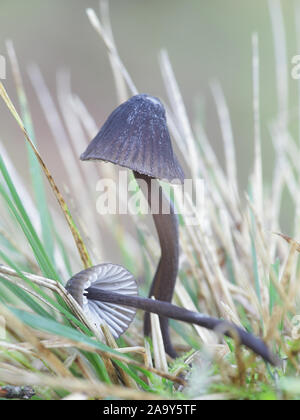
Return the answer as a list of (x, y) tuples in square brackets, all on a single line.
[(166, 309), (166, 224)]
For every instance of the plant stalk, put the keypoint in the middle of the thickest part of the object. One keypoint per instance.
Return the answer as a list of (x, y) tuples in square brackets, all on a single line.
[(167, 310), (166, 223)]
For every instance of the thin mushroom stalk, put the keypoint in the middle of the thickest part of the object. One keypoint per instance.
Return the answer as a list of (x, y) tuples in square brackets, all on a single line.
[(167, 310), (164, 281), (108, 293), (136, 136)]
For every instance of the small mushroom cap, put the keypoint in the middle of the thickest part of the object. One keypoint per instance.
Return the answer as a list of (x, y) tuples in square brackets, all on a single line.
[(136, 136), (108, 277)]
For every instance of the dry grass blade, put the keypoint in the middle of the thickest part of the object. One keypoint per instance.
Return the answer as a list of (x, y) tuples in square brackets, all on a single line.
[(160, 358), (79, 243), (93, 389), (258, 182), (179, 111), (227, 134), (54, 363), (109, 42), (66, 343), (206, 336), (281, 62), (58, 288), (118, 76), (112, 343), (289, 240)]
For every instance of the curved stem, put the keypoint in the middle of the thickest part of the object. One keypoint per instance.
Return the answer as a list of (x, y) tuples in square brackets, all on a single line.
[(166, 223), (166, 309)]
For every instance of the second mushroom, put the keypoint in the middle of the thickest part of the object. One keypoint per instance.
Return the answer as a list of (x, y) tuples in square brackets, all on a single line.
[(136, 136)]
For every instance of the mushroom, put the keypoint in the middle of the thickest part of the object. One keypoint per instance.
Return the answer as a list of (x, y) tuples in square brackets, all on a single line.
[(110, 278), (108, 292), (136, 136)]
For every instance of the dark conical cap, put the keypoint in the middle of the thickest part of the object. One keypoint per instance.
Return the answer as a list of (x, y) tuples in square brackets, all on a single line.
[(136, 136)]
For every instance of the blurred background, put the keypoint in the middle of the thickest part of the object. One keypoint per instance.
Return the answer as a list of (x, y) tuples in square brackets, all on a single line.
[(206, 40)]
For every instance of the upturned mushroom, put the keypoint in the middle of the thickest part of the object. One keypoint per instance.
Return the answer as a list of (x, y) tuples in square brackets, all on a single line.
[(108, 293), (136, 136), (107, 278)]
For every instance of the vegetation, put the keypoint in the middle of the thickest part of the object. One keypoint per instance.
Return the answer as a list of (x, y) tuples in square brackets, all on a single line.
[(234, 264)]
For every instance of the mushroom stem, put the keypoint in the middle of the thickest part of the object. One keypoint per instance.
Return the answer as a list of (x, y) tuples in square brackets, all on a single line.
[(165, 309), (166, 223)]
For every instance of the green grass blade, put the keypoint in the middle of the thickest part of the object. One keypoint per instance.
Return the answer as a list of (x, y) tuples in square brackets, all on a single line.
[(63, 309), (25, 298), (20, 213), (36, 176), (53, 327), (34, 242)]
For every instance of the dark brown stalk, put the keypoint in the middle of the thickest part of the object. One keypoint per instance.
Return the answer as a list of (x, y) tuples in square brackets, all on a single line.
[(163, 283), (165, 309)]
